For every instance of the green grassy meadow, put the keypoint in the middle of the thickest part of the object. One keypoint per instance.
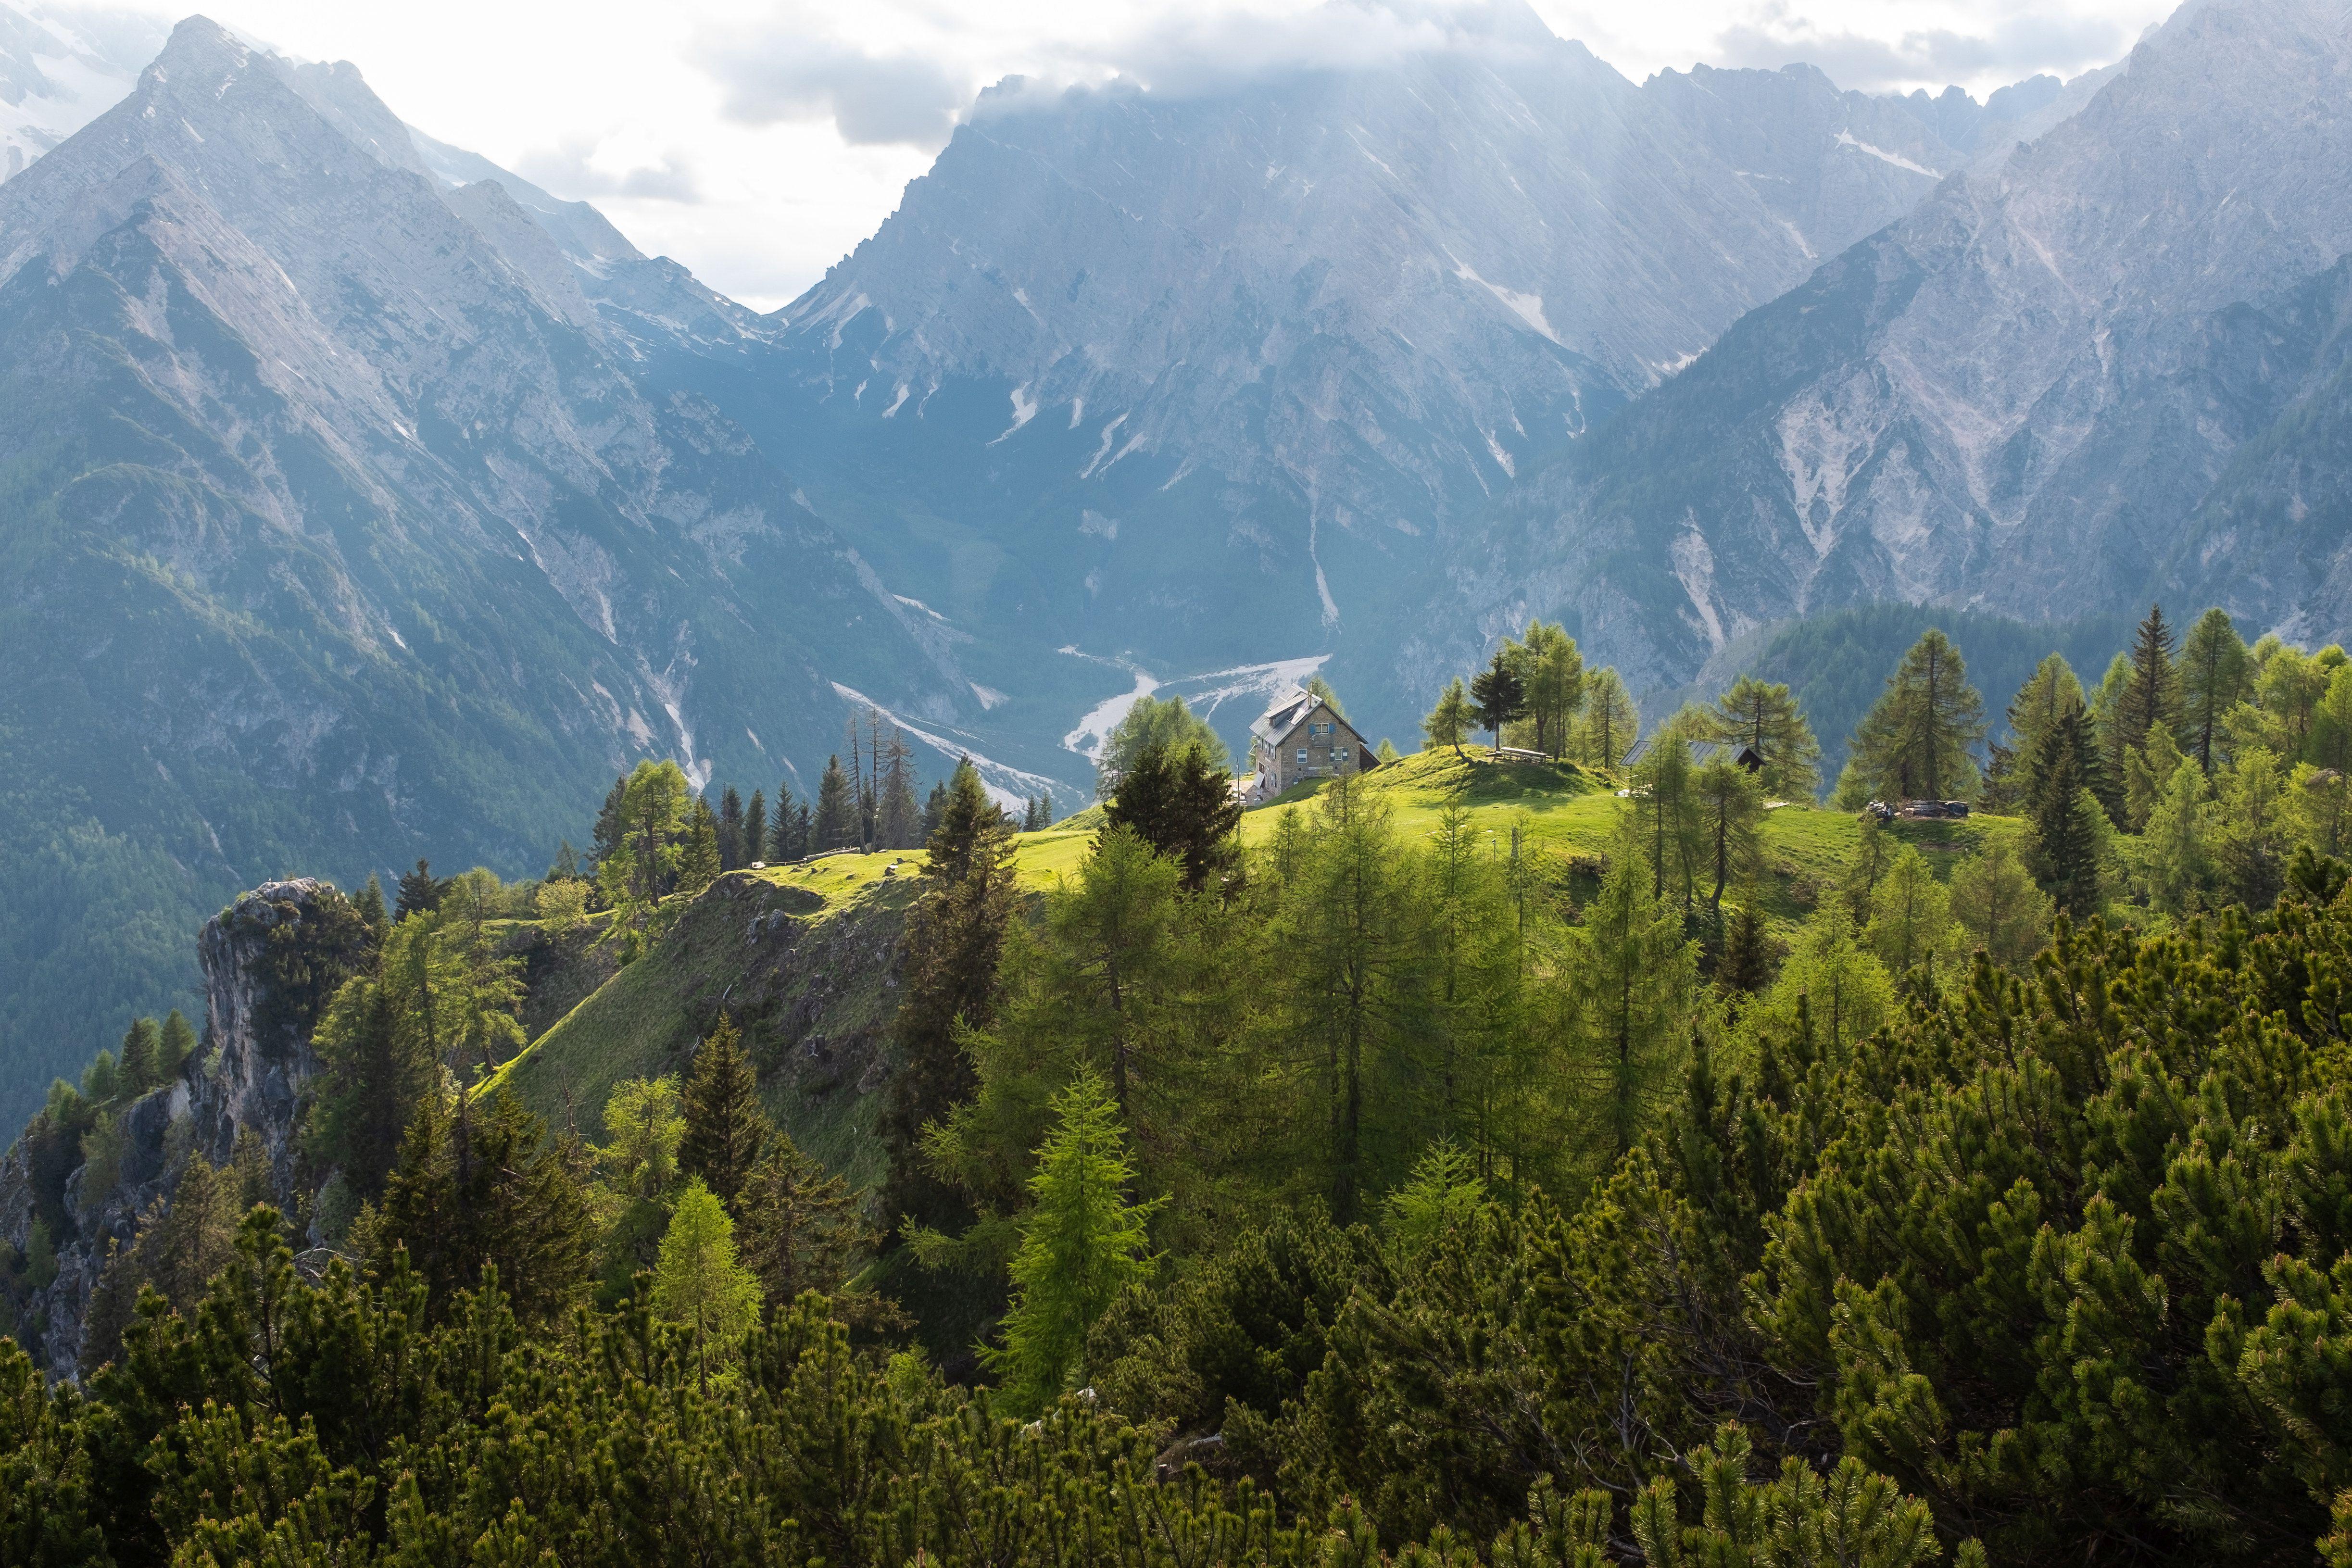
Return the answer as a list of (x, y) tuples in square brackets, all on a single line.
[(818, 1004)]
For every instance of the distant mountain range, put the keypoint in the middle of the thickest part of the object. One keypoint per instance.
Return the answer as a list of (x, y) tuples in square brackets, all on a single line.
[(2105, 369), (361, 500)]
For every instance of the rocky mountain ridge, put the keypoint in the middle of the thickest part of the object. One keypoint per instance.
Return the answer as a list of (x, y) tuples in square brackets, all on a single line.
[(1195, 381), (350, 533), (2030, 396)]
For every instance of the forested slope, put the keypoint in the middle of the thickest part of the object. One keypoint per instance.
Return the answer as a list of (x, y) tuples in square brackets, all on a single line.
[(1479, 1160)]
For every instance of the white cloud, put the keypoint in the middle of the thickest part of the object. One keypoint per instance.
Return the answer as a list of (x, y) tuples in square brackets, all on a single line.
[(757, 143), (779, 73), (2004, 48), (574, 169)]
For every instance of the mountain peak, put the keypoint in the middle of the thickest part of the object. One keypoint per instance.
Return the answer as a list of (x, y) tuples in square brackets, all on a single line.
[(197, 45)]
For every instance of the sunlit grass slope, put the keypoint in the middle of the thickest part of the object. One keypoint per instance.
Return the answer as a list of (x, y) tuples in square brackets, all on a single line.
[(804, 957)]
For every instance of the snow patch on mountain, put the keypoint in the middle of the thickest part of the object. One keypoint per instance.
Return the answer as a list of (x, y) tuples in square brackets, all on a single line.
[(1528, 307), (1848, 139)]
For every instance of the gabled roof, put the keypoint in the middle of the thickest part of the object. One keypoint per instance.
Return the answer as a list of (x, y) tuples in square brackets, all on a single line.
[(1289, 711), (1702, 752)]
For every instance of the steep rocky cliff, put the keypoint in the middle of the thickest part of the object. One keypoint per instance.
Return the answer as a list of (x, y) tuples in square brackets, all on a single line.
[(265, 959), (804, 959)]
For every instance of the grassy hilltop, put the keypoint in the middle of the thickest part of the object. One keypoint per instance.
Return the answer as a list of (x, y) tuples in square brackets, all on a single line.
[(804, 956)]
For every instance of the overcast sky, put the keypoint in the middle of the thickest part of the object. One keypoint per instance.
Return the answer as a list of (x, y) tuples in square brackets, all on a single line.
[(757, 142)]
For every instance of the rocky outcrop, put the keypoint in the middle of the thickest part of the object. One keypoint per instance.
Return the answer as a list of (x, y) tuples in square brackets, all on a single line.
[(263, 968)]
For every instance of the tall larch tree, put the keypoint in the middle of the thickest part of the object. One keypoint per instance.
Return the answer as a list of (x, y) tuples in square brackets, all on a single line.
[(1764, 716), (698, 860), (1914, 742), (1628, 981), (1449, 722), (1611, 724), (1083, 1244), (2213, 681)]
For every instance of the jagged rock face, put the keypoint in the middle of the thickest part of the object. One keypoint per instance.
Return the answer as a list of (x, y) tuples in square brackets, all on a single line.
[(342, 531), (259, 1052), (2016, 398), (246, 1076)]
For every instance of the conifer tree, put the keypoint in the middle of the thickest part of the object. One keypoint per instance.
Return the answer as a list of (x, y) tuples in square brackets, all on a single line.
[(837, 825), (2066, 840), (1183, 806), (1612, 723), (142, 1048), (251, 1178), (1995, 900), (1351, 937), (645, 1126), (611, 823), (1913, 743), (375, 1067), (1149, 721), (954, 935), (179, 1043), (1083, 1244), (755, 829), (420, 894), (730, 831), (725, 1126), (899, 822), (2151, 696), (1629, 981), (2048, 696), (1731, 815), (785, 840), (801, 1229), (934, 806), (1499, 692), (1553, 672), (643, 864), (101, 1081), (1747, 965), (180, 1245), (1673, 824), (2213, 681), (1910, 916), (2330, 745), (1764, 716), (701, 1284), (472, 1191), (698, 863), (369, 904), (1449, 722), (2173, 854), (1832, 990)]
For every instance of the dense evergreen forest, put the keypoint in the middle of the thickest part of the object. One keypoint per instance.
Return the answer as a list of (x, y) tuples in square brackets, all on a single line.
[(1337, 1186)]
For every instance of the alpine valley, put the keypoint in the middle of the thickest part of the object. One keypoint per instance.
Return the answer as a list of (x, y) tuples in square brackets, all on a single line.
[(360, 501)]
